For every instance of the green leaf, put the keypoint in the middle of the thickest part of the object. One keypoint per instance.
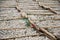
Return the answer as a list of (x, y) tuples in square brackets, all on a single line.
[(27, 21)]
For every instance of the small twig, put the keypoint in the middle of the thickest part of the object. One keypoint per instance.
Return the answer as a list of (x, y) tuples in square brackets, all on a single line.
[(17, 9), (38, 28), (51, 36), (49, 9)]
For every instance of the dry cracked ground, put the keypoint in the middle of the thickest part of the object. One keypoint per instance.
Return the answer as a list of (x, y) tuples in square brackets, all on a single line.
[(44, 13)]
